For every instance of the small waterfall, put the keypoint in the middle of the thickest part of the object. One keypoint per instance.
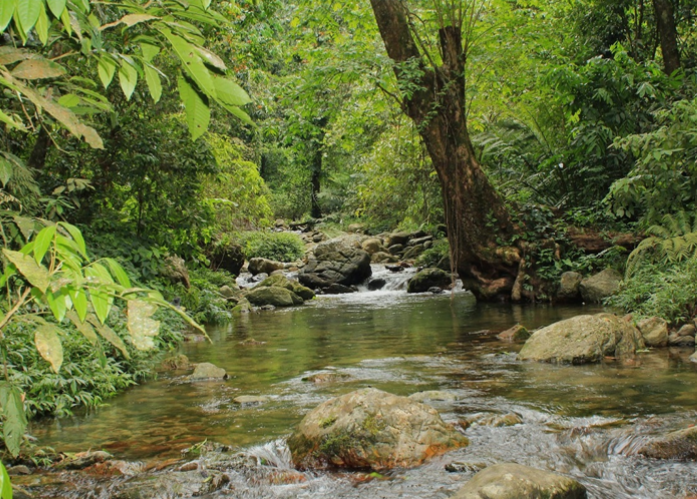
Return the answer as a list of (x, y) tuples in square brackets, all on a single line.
[(394, 280)]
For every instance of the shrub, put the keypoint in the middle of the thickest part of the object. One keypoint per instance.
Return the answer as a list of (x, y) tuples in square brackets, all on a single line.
[(280, 246), (435, 254)]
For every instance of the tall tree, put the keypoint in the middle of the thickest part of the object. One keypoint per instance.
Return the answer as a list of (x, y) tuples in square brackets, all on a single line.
[(434, 97), (665, 22)]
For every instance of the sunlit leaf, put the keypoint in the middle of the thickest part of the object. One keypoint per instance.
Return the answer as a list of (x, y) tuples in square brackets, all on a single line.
[(5, 484), (42, 25), (192, 63), (49, 345), (143, 329), (211, 59), (230, 93), (152, 78), (149, 51), (59, 302), (43, 242), (28, 13), (36, 275), (7, 10), (129, 20), (82, 326), (128, 78), (118, 272), (25, 224), (108, 334), (15, 420), (77, 237), (106, 67), (198, 114), (57, 7)]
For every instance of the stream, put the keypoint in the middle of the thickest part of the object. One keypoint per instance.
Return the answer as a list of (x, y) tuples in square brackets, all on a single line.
[(583, 421)]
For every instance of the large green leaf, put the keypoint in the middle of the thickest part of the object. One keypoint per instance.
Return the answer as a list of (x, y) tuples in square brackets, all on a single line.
[(59, 302), (7, 10), (128, 78), (192, 63), (28, 13), (142, 327), (230, 93), (152, 78), (108, 334), (198, 114), (13, 124), (83, 326), (118, 272), (15, 420), (48, 343), (36, 274), (43, 241), (79, 299), (57, 7), (5, 484), (129, 20), (42, 25), (106, 67), (77, 237), (99, 296)]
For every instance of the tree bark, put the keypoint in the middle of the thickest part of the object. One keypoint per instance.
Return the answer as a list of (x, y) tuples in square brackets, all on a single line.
[(478, 223), (665, 22), (37, 158)]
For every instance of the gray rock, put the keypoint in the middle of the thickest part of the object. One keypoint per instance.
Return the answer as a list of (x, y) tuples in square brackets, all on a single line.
[(428, 278), (372, 429), (513, 481), (175, 270), (383, 257), (375, 284), (396, 249), (680, 341), (600, 286), (433, 395), (686, 330), (464, 467), (569, 286), (493, 420), (420, 241), (273, 295), (20, 469), (339, 289), (680, 444), (250, 400), (583, 339), (263, 266), (516, 333), (206, 370), (337, 261), (435, 290), (655, 331), (412, 252), (171, 484), (372, 245), (281, 281), (401, 238)]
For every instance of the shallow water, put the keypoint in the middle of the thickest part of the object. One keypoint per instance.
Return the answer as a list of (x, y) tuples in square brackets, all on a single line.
[(585, 421)]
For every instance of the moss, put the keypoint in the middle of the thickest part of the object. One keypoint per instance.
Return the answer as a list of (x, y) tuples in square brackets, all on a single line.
[(326, 423)]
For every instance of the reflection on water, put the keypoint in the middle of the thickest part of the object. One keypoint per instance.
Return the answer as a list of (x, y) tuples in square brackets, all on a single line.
[(580, 420)]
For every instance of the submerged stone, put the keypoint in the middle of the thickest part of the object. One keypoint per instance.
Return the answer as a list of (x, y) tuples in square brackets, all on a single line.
[(680, 444), (513, 481), (372, 429)]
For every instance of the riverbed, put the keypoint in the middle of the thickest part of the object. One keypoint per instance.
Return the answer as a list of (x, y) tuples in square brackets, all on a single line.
[(583, 421)]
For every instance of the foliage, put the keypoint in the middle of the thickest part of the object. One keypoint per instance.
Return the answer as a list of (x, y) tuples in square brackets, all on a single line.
[(667, 291), (279, 246), (439, 252), (238, 194), (664, 177), (203, 301)]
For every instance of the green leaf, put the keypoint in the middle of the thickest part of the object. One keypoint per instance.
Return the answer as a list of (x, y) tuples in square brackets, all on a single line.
[(15, 420), (28, 13), (13, 124), (128, 77), (42, 25), (101, 302), (149, 51), (79, 299), (5, 484), (211, 59), (142, 328), (230, 93), (10, 55), (108, 334), (37, 69), (7, 10), (129, 20), (49, 345), (192, 63), (43, 242), (106, 67), (237, 112), (77, 237), (58, 302), (57, 7), (152, 78), (82, 326), (36, 275), (6, 171), (25, 224), (118, 272), (66, 19), (198, 114)]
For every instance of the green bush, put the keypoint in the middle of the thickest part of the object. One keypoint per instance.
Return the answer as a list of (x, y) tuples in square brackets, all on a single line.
[(664, 290), (435, 254), (280, 246)]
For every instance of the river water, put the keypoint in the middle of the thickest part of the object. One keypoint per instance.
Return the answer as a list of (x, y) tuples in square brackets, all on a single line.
[(584, 421)]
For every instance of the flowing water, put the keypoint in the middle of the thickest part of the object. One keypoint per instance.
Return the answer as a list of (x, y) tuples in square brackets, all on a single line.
[(584, 421)]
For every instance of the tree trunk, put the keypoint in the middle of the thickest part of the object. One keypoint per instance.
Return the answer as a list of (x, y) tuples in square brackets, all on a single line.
[(665, 23), (478, 223), (37, 158), (316, 172)]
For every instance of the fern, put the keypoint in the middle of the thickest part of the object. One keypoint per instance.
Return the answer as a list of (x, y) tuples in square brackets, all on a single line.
[(675, 240)]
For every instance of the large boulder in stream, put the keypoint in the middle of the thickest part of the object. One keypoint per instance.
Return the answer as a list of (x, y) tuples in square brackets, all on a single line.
[(338, 261), (428, 278), (514, 481), (583, 339), (263, 266), (282, 281), (274, 296), (372, 429)]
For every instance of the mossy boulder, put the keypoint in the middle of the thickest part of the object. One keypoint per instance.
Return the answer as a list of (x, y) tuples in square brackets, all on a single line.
[(583, 339), (514, 481), (338, 261), (273, 295), (427, 279), (371, 429), (600, 286), (680, 444), (516, 333), (569, 287), (282, 281)]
